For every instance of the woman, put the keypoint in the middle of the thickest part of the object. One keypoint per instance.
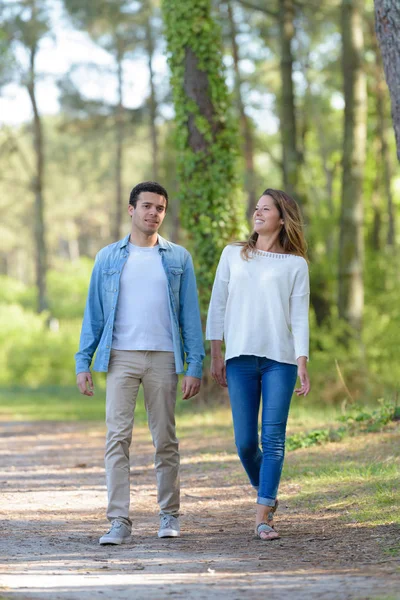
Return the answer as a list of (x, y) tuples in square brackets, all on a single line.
[(259, 307)]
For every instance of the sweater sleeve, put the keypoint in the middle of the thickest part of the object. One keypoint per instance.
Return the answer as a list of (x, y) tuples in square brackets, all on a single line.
[(299, 307), (219, 297)]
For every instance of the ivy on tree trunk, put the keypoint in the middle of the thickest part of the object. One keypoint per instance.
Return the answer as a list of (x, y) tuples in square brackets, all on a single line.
[(212, 207)]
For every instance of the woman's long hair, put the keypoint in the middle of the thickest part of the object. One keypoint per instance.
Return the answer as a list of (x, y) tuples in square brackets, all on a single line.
[(291, 236)]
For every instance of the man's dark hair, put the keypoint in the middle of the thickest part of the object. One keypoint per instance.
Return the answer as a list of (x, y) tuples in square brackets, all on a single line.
[(147, 186)]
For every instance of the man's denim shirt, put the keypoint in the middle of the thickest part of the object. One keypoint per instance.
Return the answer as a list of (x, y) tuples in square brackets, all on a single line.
[(98, 320)]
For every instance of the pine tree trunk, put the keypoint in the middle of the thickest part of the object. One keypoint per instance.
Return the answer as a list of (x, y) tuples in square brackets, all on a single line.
[(387, 24), (119, 144), (152, 101), (37, 186), (351, 249), (384, 159), (288, 126), (245, 125)]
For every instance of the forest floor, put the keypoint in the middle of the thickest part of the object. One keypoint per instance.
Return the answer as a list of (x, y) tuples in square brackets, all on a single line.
[(332, 547)]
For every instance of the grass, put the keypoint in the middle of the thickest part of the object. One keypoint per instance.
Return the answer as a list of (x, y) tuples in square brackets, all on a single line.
[(358, 479), (50, 404), (54, 403)]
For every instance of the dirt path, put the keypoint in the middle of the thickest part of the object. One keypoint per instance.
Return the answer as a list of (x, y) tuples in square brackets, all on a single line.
[(52, 510)]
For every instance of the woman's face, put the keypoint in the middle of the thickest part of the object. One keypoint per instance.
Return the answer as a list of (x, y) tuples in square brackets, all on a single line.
[(266, 216)]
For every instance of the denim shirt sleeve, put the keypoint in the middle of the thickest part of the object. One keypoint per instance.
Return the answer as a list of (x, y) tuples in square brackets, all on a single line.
[(93, 321), (190, 321)]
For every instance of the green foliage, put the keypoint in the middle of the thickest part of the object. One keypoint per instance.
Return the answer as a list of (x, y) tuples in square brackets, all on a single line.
[(32, 354), (313, 438), (212, 207), (13, 291), (68, 286), (370, 370), (358, 419)]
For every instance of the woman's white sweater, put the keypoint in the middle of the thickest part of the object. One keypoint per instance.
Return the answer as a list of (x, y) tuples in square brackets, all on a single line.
[(260, 306)]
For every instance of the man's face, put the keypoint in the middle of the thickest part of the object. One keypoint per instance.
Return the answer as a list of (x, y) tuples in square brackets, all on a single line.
[(149, 213)]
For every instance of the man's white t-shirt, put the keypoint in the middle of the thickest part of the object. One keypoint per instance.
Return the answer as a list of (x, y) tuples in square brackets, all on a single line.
[(142, 320)]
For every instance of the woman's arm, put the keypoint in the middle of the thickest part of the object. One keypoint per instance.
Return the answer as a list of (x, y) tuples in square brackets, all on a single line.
[(216, 319), (299, 309)]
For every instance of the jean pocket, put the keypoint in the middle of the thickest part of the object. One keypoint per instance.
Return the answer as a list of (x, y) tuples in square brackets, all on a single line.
[(175, 278), (110, 280)]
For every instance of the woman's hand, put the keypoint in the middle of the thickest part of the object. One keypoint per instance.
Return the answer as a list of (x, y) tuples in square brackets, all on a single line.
[(218, 372), (303, 376)]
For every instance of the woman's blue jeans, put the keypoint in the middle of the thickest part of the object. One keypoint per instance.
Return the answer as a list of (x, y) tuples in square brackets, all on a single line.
[(249, 378)]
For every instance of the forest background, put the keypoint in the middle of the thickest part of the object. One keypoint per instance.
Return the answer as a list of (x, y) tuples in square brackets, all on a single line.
[(289, 94)]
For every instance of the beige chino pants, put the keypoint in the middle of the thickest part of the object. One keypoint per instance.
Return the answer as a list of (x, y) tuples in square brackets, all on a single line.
[(156, 371)]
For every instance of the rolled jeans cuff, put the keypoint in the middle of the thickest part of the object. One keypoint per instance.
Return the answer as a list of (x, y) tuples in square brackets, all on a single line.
[(266, 501)]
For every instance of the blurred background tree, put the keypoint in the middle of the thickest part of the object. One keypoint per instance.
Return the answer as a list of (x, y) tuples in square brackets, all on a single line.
[(289, 95)]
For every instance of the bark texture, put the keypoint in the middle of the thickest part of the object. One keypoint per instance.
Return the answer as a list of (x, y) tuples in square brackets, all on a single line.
[(387, 25)]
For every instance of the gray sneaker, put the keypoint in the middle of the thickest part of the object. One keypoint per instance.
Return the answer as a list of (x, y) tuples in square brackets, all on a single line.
[(169, 527), (119, 533)]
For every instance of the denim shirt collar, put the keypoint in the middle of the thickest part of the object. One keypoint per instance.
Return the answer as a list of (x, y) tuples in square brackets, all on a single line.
[(162, 242)]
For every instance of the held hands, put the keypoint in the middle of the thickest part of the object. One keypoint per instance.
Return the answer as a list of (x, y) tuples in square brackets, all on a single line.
[(190, 387), (84, 382), (303, 376), (218, 372)]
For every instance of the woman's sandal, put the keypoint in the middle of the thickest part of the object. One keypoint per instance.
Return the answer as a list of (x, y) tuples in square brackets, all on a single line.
[(266, 528), (270, 531)]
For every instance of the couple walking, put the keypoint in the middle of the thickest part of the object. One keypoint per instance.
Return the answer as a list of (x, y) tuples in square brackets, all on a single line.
[(142, 316)]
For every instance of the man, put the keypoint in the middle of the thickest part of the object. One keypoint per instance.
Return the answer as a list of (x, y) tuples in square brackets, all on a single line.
[(142, 315)]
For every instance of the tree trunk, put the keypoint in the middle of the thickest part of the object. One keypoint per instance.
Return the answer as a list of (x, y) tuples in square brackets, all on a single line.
[(329, 180), (387, 24), (119, 143), (245, 124), (37, 187), (73, 250), (351, 249), (196, 88), (290, 152), (205, 136), (377, 215), (152, 100), (384, 159)]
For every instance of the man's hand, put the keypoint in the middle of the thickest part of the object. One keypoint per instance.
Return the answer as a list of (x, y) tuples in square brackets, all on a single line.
[(84, 382), (218, 371), (190, 387)]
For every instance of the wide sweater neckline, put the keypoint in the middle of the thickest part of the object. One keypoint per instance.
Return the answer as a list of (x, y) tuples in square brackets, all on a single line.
[(272, 254)]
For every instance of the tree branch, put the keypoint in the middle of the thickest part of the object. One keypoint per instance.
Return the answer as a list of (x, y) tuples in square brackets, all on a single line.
[(262, 9), (17, 147)]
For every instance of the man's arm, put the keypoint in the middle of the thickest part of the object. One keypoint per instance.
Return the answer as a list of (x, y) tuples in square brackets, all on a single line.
[(92, 325), (190, 322)]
